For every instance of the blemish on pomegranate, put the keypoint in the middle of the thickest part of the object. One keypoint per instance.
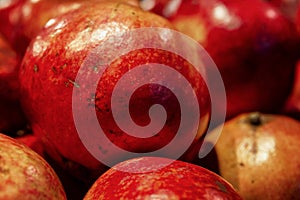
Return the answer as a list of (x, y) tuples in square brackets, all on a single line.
[(254, 147), (103, 151), (54, 69), (95, 68), (63, 66), (35, 68), (221, 186), (4, 170), (74, 83)]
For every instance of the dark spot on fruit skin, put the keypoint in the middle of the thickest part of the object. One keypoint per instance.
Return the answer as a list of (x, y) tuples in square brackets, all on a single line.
[(90, 104), (97, 108), (35, 68), (242, 164), (4, 170), (102, 150), (54, 69), (254, 146), (95, 68), (117, 6), (74, 83), (221, 186), (63, 66), (255, 119)]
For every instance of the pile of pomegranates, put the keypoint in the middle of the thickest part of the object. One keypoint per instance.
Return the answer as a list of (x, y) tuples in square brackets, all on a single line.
[(149, 99)]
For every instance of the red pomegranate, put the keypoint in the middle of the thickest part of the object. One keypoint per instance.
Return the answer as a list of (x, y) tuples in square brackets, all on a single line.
[(146, 178), (48, 80)]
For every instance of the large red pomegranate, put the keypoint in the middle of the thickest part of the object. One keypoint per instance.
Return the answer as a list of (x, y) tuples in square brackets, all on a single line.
[(48, 80)]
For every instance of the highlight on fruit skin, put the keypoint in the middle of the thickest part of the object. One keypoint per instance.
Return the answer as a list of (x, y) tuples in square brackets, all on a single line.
[(259, 155), (48, 77), (252, 42), (178, 180), (25, 175)]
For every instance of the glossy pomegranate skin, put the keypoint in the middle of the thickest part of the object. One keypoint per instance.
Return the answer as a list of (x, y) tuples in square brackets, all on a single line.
[(24, 19), (253, 44), (51, 64), (27, 18), (26, 175), (179, 180)]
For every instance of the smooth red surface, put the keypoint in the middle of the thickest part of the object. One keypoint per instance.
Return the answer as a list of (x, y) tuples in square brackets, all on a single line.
[(33, 142), (9, 65), (12, 118), (292, 106)]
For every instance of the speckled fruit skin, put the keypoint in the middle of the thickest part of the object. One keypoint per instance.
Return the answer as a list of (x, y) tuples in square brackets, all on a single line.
[(51, 64), (179, 180), (25, 175), (11, 114), (259, 155), (253, 44)]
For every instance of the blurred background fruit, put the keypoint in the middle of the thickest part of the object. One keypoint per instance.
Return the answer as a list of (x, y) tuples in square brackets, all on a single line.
[(287, 7), (253, 44), (12, 118)]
